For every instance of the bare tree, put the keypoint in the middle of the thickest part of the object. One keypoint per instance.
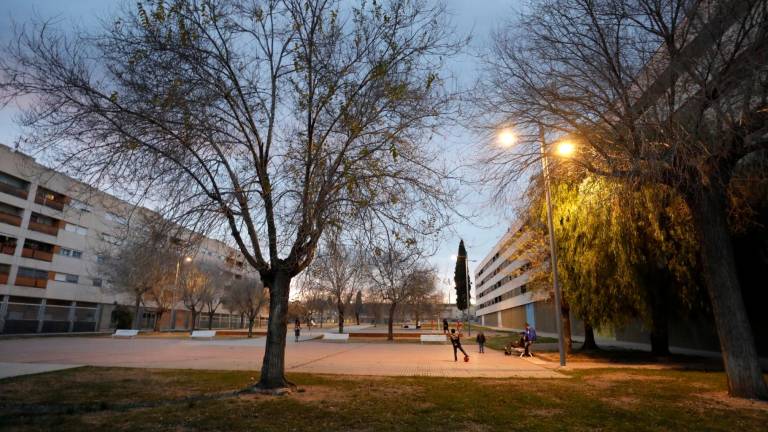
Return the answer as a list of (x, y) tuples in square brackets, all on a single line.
[(359, 306), (197, 282), (249, 297), (269, 119), (141, 265), (423, 283), (336, 270), (651, 91), (391, 266), (214, 296)]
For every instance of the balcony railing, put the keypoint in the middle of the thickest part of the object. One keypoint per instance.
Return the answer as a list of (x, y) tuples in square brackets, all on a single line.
[(10, 219), (43, 228), (31, 282), (7, 249), (54, 204), (37, 254), (11, 190)]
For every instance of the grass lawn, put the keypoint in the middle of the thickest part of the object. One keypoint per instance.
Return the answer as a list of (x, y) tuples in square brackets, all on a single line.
[(117, 399)]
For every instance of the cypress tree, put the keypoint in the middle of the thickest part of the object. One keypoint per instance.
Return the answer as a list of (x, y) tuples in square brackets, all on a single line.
[(460, 278)]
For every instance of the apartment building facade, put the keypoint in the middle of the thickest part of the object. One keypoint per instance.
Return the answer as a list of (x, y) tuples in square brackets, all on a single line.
[(502, 284), (53, 231)]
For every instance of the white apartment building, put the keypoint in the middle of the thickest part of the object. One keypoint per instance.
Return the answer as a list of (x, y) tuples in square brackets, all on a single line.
[(52, 228), (503, 296)]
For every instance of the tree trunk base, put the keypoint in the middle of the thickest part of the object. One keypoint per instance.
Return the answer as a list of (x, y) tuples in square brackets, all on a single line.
[(289, 389)]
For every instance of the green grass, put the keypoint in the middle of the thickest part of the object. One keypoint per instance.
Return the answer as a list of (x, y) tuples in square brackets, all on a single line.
[(606, 399)]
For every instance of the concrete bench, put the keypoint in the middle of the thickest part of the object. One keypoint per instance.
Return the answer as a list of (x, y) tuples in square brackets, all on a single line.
[(125, 333), (203, 334), (336, 336), (433, 338)]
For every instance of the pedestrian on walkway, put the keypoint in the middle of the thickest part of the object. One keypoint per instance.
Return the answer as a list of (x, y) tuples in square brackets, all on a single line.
[(456, 342), (445, 326), (297, 329), (481, 342)]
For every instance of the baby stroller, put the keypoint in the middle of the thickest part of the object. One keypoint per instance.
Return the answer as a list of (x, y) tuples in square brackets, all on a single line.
[(521, 346)]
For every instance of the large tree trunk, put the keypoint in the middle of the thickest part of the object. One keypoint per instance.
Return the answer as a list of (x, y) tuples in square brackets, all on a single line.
[(136, 310), (589, 338), (194, 319), (250, 327), (659, 303), (210, 319), (273, 365), (357, 318), (565, 310), (158, 317), (340, 307), (390, 332), (737, 344)]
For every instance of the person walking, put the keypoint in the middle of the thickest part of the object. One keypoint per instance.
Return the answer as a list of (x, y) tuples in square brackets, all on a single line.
[(456, 342), (445, 326), (297, 329), (481, 342)]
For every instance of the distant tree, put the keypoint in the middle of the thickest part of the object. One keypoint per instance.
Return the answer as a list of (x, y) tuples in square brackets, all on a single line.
[(196, 282), (142, 265), (214, 295), (358, 306), (391, 267), (249, 297), (460, 278), (336, 269)]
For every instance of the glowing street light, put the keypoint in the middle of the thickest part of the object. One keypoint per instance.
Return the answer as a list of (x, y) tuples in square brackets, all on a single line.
[(507, 138), (565, 148)]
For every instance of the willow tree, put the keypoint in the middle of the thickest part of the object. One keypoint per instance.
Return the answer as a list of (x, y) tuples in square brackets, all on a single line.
[(625, 254), (265, 121), (668, 92)]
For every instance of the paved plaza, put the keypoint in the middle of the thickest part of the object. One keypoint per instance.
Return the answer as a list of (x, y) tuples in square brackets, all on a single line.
[(32, 355)]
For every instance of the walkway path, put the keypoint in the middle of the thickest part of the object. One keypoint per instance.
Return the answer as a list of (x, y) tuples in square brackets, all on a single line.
[(384, 359)]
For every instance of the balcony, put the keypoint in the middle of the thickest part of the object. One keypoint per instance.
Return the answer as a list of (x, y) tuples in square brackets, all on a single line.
[(13, 190), (32, 282), (50, 199), (10, 219), (37, 254), (43, 224)]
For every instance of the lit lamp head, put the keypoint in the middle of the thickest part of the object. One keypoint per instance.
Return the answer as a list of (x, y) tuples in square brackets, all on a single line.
[(187, 259), (565, 149), (507, 138)]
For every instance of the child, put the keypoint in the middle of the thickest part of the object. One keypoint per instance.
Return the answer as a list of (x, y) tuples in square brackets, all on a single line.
[(456, 342)]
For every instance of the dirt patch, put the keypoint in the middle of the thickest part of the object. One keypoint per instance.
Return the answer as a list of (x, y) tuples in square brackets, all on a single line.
[(721, 399), (546, 412), (625, 376), (621, 401)]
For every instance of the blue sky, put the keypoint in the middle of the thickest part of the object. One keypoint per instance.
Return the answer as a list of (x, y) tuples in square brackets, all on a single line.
[(477, 17)]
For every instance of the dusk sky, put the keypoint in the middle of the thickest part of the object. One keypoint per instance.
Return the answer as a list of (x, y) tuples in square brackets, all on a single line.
[(477, 17)]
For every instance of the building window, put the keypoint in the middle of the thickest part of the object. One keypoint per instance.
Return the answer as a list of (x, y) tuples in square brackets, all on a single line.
[(97, 282), (80, 205), (116, 218), (66, 277), (70, 253), (76, 228)]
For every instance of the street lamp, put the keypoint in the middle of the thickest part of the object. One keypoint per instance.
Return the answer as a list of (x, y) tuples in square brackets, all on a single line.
[(175, 288), (564, 149)]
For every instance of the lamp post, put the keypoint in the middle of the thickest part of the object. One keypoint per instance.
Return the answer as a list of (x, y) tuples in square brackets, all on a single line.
[(469, 294), (565, 150), (175, 288), (507, 139)]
